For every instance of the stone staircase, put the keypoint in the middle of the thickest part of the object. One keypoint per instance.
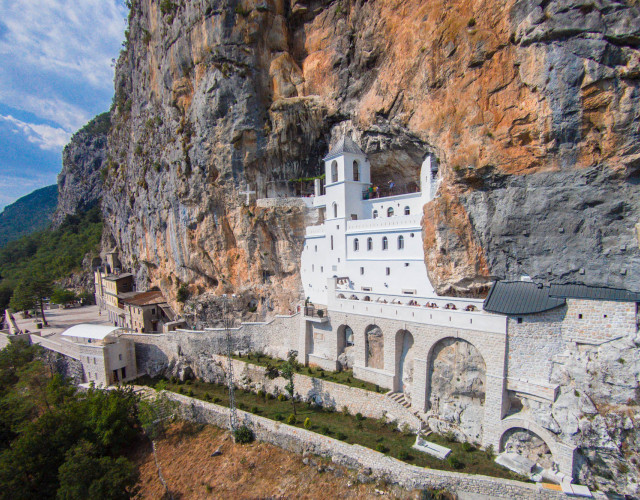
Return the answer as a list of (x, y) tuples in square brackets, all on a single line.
[(398, 398)]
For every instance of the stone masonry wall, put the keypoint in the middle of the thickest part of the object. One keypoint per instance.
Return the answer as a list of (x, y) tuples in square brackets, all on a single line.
[(328, 394), (355, 456), (595, 322), (532, 344)]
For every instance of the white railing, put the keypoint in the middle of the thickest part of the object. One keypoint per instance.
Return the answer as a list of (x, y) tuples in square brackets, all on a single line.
[(398, 221), (455, 318), (315, 230)]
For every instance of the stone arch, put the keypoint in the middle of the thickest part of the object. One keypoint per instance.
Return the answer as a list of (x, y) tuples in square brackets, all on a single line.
[(456, 388), (522, 436), (404, 361), (346, 347), (374, 347)]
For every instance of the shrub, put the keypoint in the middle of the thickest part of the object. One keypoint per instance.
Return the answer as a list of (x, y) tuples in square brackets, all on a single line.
[(183, 294), (242, 406), (216, 399), (403, 455), (345, 410), (254, 409), (325, 430), (270, 396), (181, 390), (450, 436), (207, 396), (490, 451), (279, 417), (262, 394), (455, 462), (381, 448), (243, 435), (190, 393), (359, 417), (341, 436), (282, 397), (472, 22), (467, 447), (307, 423), (291, 419), (576, 393), (188, 382)]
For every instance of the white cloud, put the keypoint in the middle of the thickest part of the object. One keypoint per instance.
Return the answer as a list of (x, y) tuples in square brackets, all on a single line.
[(68, 37), (45, 136), (53, 50)]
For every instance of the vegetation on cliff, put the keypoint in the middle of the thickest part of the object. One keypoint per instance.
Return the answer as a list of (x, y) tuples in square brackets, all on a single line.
[(30, 213), (49, 255), (58, 442)]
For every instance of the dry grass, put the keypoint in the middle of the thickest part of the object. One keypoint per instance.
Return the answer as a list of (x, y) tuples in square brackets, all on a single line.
[(258, 470)]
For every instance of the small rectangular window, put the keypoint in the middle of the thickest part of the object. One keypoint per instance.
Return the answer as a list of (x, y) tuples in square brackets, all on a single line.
[(388, 271), (362, 270), (120, 357), (365, 288), (579, 316), (519, 320)]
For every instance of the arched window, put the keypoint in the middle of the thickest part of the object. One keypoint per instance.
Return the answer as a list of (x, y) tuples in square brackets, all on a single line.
[(385, 243), (335, 210), (390, 212), (356, 245), (356, 171), (400, 242), (348, 337), (375, 214), (334, 171), (369, 243), (407, 211)]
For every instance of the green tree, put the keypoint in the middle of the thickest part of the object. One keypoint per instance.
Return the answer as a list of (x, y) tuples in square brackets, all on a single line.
[(62, 296), (85, 474), (287, 371), (31, 293)]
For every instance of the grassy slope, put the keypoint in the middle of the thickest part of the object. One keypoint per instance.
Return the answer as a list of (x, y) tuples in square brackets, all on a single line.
[(366, 432), (28, 214)]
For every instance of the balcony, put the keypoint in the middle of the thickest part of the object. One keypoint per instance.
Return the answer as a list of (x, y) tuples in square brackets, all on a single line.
[(316, 314)]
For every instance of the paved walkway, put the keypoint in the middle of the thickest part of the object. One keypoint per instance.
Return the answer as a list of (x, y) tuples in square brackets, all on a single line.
[(61, 319)]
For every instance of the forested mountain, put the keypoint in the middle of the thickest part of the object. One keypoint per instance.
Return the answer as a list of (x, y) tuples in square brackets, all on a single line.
[(30, 213)]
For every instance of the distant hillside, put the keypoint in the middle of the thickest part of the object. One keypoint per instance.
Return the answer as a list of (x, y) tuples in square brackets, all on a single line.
[(30, 213)]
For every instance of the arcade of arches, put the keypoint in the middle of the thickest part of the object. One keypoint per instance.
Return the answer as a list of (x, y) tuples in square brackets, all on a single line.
[(454, 378)]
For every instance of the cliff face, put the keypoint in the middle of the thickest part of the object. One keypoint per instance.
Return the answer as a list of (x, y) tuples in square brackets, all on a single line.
[(531, 107), (80, 181)]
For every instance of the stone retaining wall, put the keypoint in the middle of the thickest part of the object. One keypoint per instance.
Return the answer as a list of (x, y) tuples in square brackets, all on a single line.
[(356, 456), (329, 394)]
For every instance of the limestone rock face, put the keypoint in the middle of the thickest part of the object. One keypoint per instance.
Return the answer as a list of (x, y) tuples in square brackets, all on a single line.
[(531, 107), (80, 182)]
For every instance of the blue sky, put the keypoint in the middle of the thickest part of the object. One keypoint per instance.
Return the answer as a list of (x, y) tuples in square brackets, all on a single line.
[(56, 73)]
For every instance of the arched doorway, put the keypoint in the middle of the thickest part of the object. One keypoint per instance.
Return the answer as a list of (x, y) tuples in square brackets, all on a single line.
[(528, 444), (374, 347), (457, 382), (346, 347), (404, 362)]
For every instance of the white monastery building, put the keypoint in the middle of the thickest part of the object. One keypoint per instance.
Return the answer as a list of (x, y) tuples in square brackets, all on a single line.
[(370, 244)]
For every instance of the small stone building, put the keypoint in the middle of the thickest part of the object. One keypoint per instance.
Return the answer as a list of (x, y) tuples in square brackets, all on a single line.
[(147, 312), (107, 358)]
